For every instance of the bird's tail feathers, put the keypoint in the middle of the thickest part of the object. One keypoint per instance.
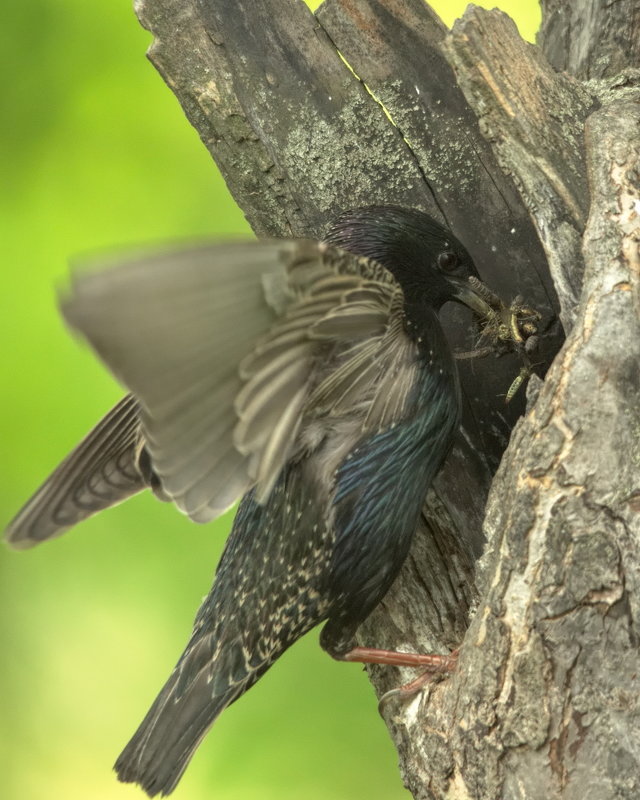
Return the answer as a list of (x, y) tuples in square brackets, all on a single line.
[(180, 717), (165, 742)]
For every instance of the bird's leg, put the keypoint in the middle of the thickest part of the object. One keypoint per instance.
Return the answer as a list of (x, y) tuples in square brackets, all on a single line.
[(434, 663)]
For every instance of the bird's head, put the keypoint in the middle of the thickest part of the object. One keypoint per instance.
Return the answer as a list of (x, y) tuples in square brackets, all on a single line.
[(431, 265)]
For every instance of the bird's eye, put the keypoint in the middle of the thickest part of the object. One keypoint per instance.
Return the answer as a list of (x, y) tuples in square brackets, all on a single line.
[(447, 261)]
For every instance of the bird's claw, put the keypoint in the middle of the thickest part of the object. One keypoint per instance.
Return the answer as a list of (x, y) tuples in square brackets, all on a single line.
[(410, 689)]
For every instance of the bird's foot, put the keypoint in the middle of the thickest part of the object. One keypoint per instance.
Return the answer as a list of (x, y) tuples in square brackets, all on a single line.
[(434, 665), (446, 665), (407, 690)]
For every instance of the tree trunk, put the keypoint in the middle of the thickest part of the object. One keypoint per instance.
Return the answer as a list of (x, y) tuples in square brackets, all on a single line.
[(539, 174)]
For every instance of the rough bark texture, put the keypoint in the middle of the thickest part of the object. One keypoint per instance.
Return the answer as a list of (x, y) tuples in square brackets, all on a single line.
[(476, 128), (591, 38), (535, 118), (546, 702)]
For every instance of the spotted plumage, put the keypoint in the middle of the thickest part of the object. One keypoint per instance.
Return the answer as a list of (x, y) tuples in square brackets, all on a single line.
[(312, 379)]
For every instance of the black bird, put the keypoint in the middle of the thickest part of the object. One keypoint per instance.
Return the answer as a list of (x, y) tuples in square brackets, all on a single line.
[(314, 380)]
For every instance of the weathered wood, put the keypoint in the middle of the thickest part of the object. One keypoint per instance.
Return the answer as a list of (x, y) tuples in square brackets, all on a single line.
[(546, 700), (591, 38), (535, 120), (292, 130)]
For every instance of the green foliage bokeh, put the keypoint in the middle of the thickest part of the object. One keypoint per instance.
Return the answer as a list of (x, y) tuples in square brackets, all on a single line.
[(96, 153)]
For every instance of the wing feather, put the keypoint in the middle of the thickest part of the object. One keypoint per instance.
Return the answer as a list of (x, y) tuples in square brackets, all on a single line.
[(100, 472), (220, 345)]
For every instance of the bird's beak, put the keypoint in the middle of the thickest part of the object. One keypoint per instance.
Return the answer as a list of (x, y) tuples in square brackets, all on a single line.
[(465, 292)]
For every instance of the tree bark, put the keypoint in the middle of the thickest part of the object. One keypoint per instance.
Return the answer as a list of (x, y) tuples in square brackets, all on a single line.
[(592, 38), (538, 173)]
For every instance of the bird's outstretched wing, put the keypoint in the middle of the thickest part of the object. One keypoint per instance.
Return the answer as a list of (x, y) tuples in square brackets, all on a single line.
[(220, 344), (100, 472)]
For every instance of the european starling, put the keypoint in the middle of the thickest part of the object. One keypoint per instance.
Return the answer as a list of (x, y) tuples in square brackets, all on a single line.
[(311, 379)]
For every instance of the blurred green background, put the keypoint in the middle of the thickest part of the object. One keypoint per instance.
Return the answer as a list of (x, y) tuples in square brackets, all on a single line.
[(96, 153)]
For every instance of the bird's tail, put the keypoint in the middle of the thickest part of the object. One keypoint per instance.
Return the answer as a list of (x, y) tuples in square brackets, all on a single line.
[(178, 720)]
